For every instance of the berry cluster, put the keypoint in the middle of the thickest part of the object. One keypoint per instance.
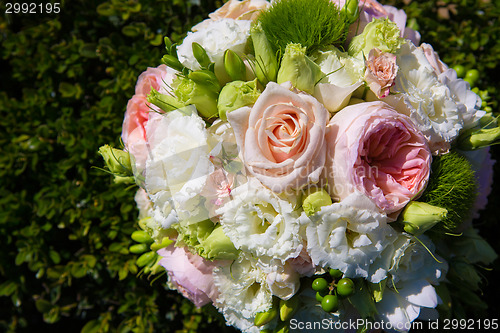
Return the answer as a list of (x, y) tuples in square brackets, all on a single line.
[(328, 293)]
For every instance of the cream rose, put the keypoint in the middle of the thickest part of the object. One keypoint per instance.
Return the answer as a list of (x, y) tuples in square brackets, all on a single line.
[(376, 150), (282, 137), (381, 70)]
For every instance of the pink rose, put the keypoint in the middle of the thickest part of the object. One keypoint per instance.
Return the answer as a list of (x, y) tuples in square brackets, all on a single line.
[(136, 116), (282, 137), (158, 78), (236, 10), (190, 273), (381, 70), (433, 58), (376, 150)]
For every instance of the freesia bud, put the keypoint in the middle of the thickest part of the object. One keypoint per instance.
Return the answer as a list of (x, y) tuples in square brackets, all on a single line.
[(199, 90), (117, 161), (418, 217), (351, 10), (217, 246), (235, 95), (266, 63), (299, 69), (265, 317), (314, 199), (234, 65), (172, 62), (288, 308), (474, 138), (201, 55), (165, 102), (382, 34)]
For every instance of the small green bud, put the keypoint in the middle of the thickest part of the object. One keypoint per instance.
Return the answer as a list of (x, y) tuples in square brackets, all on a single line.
[(124, 180), (117, 161), (235, 95), (299, 69), (146, 258), (172, 62), (351, 10), (314, 199), (206, 78), (266, 62), (378, 290), (164, 101), (168, 43), (265, 317), (198, 89), (201, 55), (282, 328), (475, 138), (164, 243), (235, 67), (418, 217), (138, 248), (383, 34), (218, 246), (141, 236), (288, 308)]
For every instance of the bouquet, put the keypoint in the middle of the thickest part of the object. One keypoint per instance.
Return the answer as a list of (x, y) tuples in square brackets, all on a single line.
[(307, 165)]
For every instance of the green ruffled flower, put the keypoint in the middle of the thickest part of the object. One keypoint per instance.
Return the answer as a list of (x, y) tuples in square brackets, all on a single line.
[(235, 95), (383, 34)]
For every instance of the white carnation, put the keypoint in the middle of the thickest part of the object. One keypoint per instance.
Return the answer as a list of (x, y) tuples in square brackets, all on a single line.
[(215, 37), (341, 69), (258, 221), (349, 236), (439, 106)]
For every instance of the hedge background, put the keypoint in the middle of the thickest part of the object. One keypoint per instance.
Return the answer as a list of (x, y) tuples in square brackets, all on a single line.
[(64, 226)]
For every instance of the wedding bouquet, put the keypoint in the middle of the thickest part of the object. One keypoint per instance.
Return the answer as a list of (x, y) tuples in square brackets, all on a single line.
[(304, 163)]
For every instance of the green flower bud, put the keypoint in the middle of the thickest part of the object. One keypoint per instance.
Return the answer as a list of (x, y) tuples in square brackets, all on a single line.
[(266, 62), (265, 317), (123, 180), (164, 243), (199, 90), (288, 308), (418, 217), (378, 290), (379, 33), (172, 62), (141, 236), (117, 161), (164, 101), (138, 248), (351, 10), (314, 199), (299, 69), (234, 66), (146, 258), (235, 95), (218, 246), (475, 138), (201, 55), (282, 328)]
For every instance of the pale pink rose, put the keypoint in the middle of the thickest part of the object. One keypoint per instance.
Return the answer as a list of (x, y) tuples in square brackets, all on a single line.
[(375, 150), (381, 70), (282, 137), (138, 109), (433, 58), (190, 274), (158, 78), (236, 10)]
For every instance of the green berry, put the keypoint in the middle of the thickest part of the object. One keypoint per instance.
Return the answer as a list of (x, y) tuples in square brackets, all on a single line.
[(460, 69), (335, 273), (472, 76), (345, 287), (330, 303), (321, 294), (319, 284)]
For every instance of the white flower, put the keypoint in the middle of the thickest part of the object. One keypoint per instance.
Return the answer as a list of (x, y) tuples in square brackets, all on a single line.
[(349, 236), (340, 68), (439, 106), (215, 37), (177, 166), (413, 273), (258, 221), (243, 292)]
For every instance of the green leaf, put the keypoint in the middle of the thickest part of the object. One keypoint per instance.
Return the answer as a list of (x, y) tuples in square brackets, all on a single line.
[(43, 305)]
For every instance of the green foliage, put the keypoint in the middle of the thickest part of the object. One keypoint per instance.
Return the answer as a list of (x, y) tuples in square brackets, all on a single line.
[(312, 24), (65, 227), (451, 186)]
